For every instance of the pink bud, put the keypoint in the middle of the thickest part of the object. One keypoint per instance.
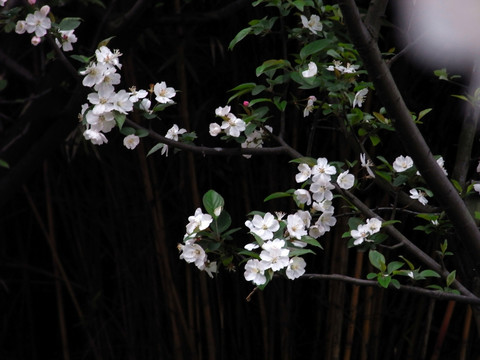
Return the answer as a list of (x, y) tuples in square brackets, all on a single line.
[(32, 2), (36, 40), (246, 103)]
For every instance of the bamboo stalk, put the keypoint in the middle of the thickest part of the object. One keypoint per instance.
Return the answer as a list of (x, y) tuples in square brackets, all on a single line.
[(465, 333), (58, 285), (366, 323), (353, 308), (443, 330), (61, 270)]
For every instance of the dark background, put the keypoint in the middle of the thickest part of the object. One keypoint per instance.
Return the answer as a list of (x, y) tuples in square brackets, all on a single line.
[(89, 267)]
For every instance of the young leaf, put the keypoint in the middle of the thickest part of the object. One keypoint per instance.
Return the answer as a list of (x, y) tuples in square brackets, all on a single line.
[(313, 47), (384, 281), (155, 148), (377, 260), (120, 119), (429, 273), (239, 37), (278, 195), (212, 201), (310, 240), (394, 265), (451, 278), (69, 23)]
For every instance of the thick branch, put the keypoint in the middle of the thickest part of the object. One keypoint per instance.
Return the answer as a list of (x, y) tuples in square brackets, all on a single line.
[(411, 137)]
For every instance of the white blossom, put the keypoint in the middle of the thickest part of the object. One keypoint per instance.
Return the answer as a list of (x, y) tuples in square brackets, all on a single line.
[(67, 38), (360, 97), (366, 163), (303, 196), (345, 180), (254, 271), (309, 108), (192, 253), (313, 24), (38, 22), (131, 141), (402, 163), (163, 93), (263, 227), (418, 195), (274, 255), (296, 226), (304, 174), (96, 137), (296, 268), (198, 222), (311, 71)]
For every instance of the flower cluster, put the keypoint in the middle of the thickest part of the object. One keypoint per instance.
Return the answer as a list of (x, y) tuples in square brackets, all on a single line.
[(192, 252), (281, 239), (106, 106), (231, 125), (337, 66), (364, 231), (37, 23)]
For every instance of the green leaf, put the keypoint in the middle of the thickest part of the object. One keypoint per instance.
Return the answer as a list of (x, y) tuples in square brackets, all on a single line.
[(241, 34), (441, 74), (81, 58), (222, 222), (394, 265), (374, 139), (241, 89), (390, 222), (120, 119), (142, 132), (127, 131), (423, 113), (461, 97), (311, 241), (271, 65), (278, 195), (212, 201), (104, 42), (377, 260), (305, 160), (429, 273), (451, 277), (69, 23), (395, 283), (252, 254), (313, 48), (354, 222), (371, 276), (3, 84), (400, 180), (155, 148), (4, 164), (384, 281), (299, 252), (457, 185), (409, 263)]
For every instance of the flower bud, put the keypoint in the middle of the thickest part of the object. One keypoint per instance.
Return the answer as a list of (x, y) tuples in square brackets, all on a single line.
[(36, 40)]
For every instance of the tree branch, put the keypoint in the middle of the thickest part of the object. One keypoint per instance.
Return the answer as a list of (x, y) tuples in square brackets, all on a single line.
[(467, 299), (411, 137), (205, 150)]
